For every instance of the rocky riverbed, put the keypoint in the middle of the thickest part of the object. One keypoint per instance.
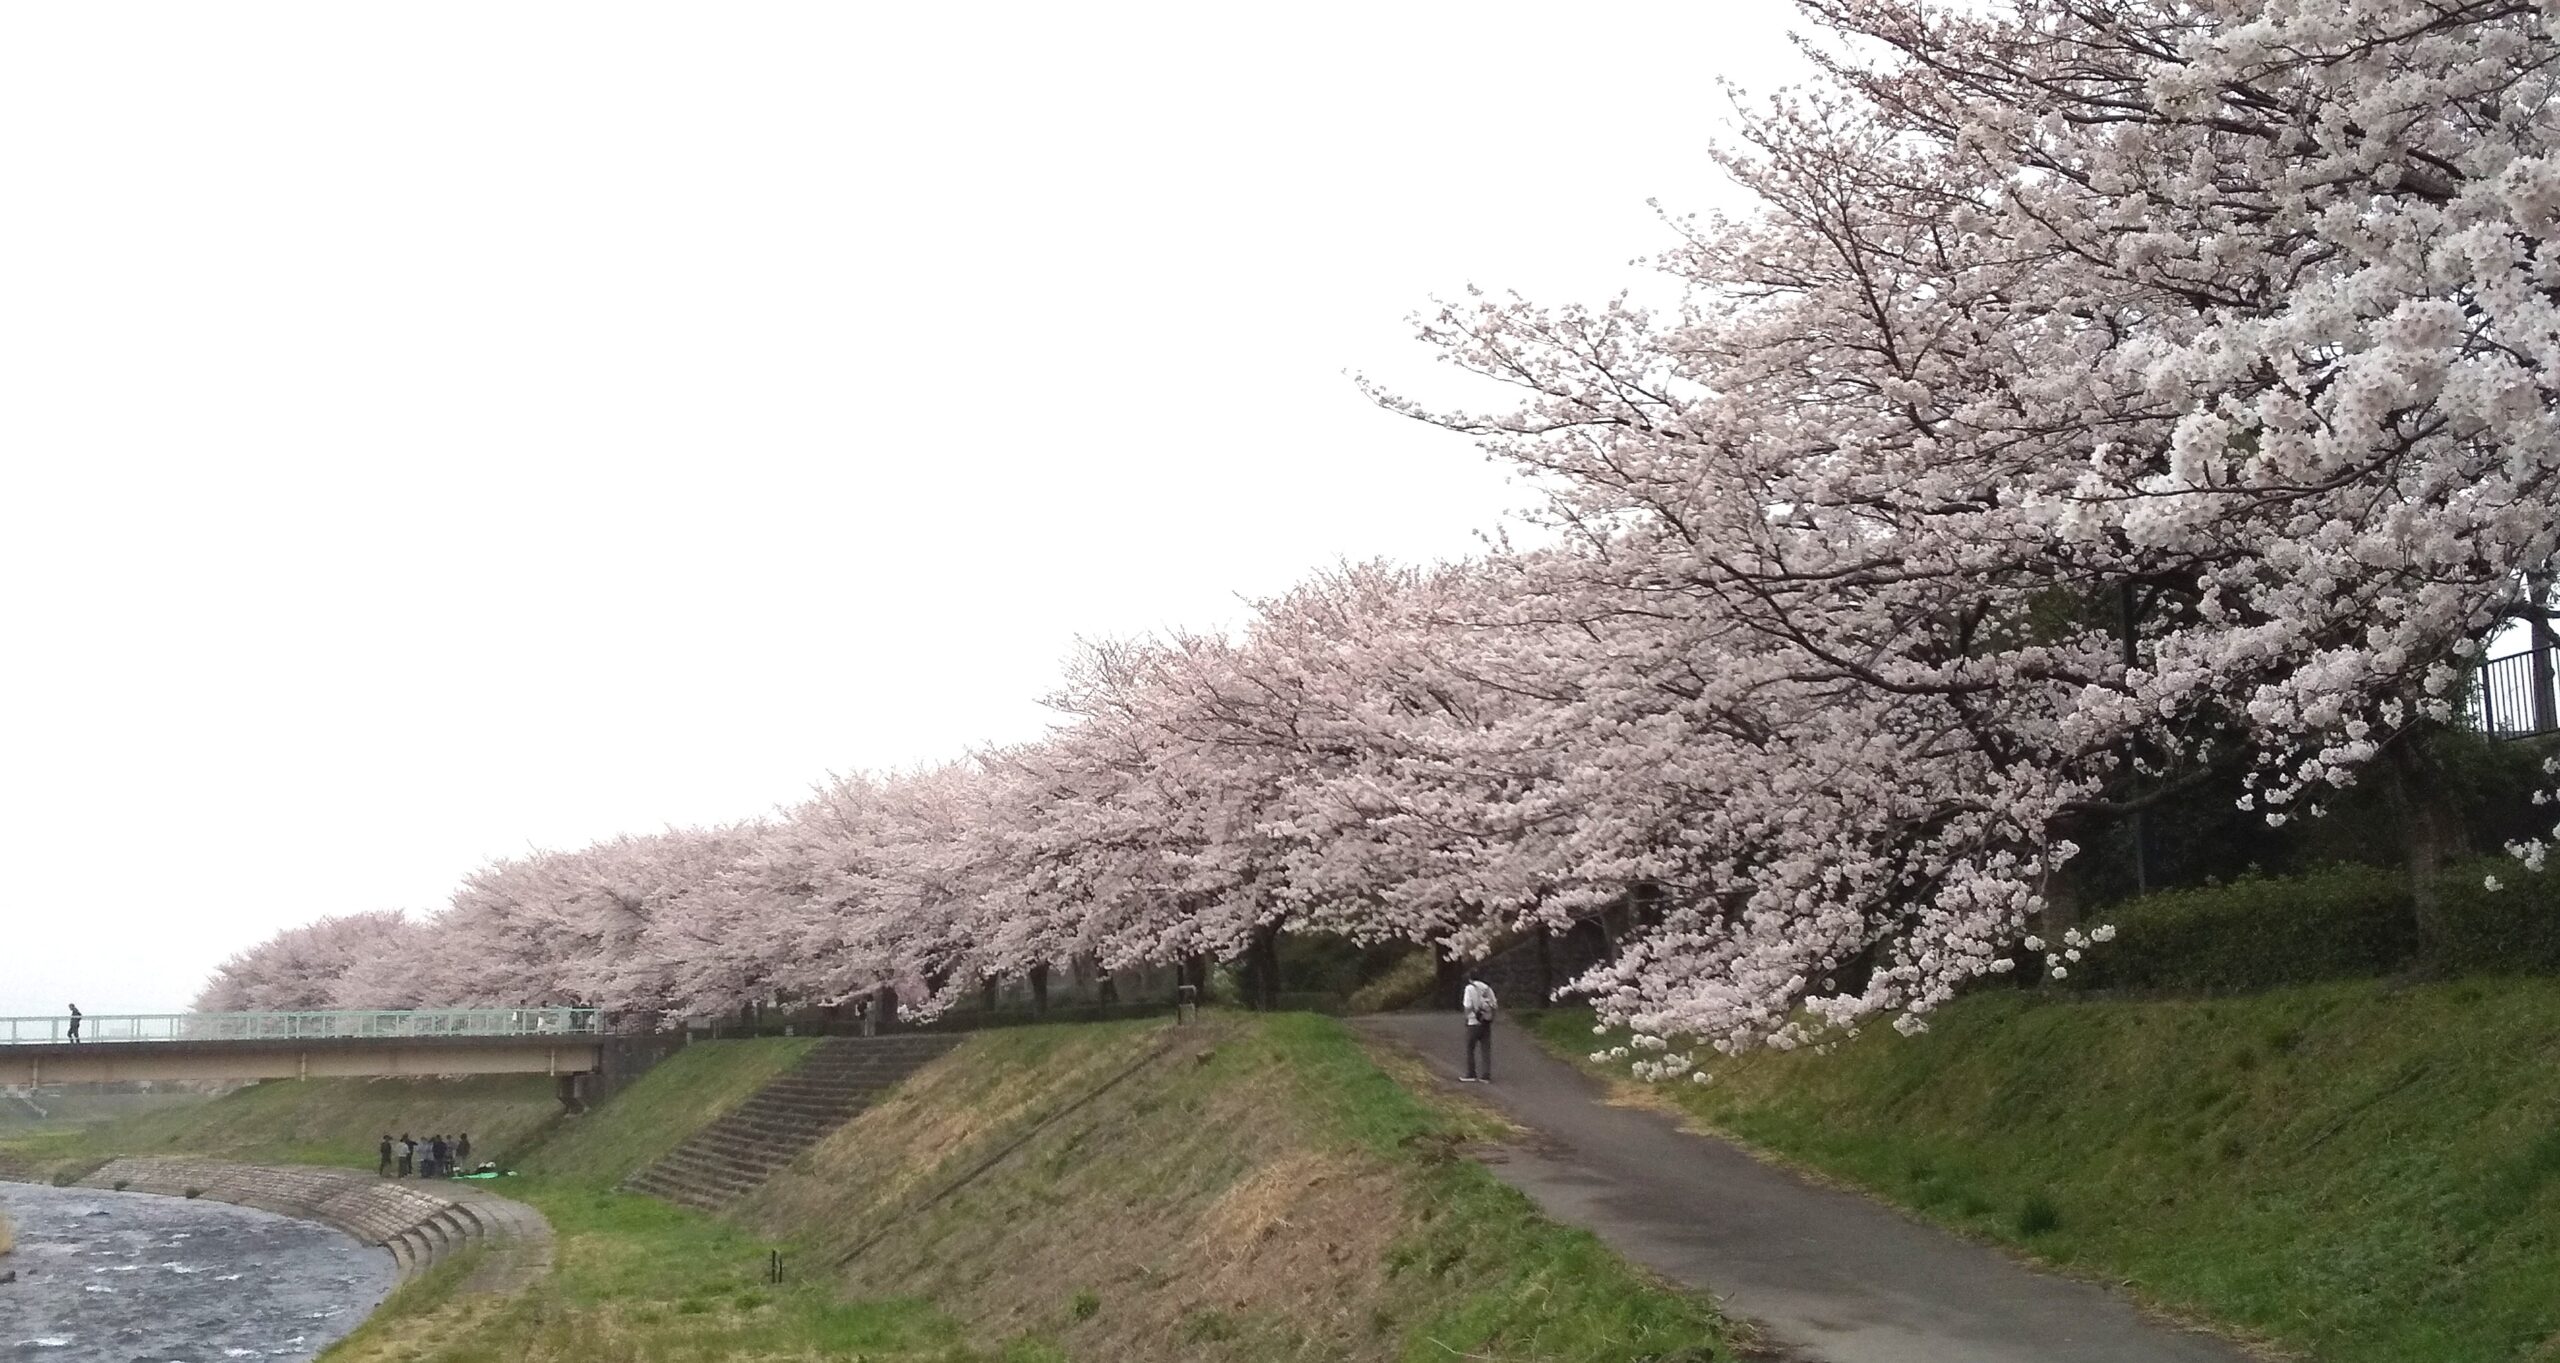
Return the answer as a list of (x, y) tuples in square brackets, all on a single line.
[(131, 1278)]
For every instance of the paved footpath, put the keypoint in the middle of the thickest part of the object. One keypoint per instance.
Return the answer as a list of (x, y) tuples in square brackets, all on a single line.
[(1828, 1275)]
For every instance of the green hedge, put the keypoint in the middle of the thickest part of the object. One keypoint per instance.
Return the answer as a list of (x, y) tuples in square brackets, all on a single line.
[(2340, 923), (2258, 932), (2512, 930)]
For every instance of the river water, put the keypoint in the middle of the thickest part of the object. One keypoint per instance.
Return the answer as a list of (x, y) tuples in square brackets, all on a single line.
[(133, 1278)]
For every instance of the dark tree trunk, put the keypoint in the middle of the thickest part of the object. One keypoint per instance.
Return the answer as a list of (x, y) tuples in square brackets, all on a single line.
[(1195, 973), (2062, 912), (2128, 638), (1040, 990), (885, 1003), (1107, 990), (988, 997), (2432, 831), (1262, 968)]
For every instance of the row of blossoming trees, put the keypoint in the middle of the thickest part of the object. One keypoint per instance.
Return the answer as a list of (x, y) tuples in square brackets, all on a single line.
[(2104, 391)]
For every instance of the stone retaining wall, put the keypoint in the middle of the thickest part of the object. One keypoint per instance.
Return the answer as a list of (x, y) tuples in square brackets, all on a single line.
[(419, 1222)]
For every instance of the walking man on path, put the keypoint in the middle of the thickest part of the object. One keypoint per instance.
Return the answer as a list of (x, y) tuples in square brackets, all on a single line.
[(75, 1022), (1477, 1005)]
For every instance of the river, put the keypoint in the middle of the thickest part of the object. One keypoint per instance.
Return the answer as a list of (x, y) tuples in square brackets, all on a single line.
[(132, 1278)]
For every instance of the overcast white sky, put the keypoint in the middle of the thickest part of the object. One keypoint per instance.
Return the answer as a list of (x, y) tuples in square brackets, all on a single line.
[(429, 432)]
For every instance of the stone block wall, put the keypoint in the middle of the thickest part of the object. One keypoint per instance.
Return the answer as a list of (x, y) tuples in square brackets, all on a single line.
[(418, 1222)]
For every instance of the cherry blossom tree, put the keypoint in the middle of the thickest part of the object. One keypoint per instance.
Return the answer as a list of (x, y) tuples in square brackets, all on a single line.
[(2231, 317), (2101, 392), (300, 969)]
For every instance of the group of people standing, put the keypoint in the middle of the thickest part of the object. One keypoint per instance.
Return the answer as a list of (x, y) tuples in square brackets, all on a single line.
[(434, 1157)]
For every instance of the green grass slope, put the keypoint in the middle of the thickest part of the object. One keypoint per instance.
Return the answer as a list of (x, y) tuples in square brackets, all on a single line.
[(2367, 1174), (1254, 1189), (312, 1121), (638, 1280), (515, 1120), (672, 1101), (1249, 1189)]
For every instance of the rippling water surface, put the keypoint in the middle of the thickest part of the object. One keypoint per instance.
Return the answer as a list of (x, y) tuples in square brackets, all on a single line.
[(131, 1278)]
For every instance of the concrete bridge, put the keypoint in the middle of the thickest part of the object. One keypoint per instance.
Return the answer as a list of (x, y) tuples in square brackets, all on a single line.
[(564, 1042)]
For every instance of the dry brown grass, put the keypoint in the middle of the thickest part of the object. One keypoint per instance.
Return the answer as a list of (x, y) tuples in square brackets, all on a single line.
[(1241, 1237), (1302, 1235)]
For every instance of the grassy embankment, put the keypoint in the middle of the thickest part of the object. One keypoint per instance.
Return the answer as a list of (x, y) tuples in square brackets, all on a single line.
[(316, 1121), (2366, 1173), (1258, 1189)]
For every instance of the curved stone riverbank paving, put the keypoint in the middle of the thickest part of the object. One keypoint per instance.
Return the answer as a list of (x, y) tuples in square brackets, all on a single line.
[(420, 1222)]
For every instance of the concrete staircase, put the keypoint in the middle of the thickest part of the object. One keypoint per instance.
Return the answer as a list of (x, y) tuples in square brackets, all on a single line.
[(733, 1156)]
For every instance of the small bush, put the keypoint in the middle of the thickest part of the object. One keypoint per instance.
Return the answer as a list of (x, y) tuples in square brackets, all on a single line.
[(2038, 1216), (1085, 1306)]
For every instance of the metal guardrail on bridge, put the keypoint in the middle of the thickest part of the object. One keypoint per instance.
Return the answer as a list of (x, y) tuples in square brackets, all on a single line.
[(351, 1025)]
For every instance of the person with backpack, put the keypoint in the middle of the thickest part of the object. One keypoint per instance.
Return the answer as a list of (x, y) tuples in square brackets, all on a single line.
[(1477, 1005)]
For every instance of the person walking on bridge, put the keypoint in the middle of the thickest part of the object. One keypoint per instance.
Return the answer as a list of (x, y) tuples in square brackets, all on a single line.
[(75, 1022), (1477, 1005)]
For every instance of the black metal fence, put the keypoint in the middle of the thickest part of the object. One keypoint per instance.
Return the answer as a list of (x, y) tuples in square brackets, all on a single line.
[(2514, 696)]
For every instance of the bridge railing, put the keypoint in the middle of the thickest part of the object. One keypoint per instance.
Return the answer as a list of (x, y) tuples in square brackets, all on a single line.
[(347, 1025)]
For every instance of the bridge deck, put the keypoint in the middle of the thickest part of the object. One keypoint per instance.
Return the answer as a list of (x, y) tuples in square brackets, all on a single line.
[(369, 1024), (554, 1041), (327, 1057)]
